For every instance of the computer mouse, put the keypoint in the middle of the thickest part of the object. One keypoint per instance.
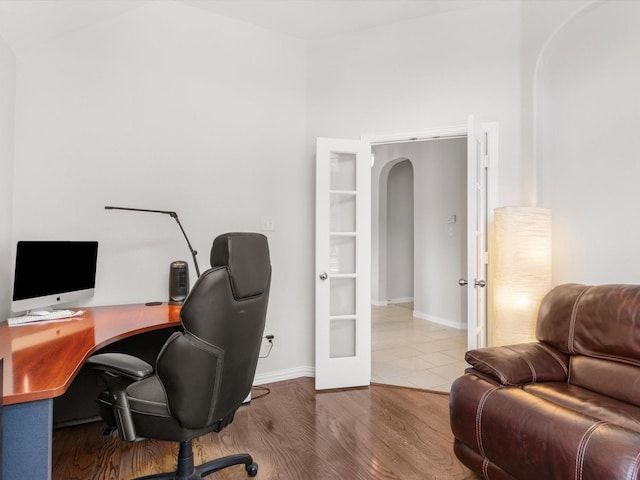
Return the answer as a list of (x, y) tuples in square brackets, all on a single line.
[(39, 312)]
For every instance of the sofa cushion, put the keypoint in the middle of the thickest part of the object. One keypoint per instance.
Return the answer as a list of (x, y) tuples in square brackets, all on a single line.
[(600, 321), (614, 379), (578, 399), (554, 315), (606, 323)]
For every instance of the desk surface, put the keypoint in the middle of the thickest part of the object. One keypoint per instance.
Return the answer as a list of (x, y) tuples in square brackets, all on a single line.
[(41, 360)]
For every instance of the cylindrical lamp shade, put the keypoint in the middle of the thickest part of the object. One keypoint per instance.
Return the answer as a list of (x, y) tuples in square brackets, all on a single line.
[(521, 272)]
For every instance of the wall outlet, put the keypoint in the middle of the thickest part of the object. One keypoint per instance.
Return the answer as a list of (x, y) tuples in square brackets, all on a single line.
[(268, 334), (267, 343)]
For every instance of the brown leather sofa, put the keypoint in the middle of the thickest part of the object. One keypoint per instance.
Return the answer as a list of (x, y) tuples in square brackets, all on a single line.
[(566, 407)]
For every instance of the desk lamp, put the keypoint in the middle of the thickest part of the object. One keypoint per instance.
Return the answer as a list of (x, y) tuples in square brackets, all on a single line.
[(179, 271)]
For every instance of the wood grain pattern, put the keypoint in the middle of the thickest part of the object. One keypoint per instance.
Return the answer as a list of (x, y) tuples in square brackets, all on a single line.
[(41, 360), (379, 432)]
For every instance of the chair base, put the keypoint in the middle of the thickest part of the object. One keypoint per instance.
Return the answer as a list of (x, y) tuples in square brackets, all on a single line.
[(188, 471)]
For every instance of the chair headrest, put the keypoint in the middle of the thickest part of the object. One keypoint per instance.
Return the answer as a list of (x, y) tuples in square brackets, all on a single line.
[(247, 257)]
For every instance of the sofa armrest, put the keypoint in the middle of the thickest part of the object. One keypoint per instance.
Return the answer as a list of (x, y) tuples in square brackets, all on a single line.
[(520, 364)]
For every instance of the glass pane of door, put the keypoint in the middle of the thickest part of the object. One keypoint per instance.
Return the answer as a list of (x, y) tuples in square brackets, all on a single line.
[(343, 171), (342, 254), (343, 338), (343, 212)]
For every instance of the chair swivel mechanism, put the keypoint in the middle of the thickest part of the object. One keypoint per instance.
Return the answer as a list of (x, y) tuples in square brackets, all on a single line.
[(204, 372)]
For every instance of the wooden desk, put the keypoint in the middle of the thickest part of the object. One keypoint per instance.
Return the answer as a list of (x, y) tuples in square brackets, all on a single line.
[(41, 361)]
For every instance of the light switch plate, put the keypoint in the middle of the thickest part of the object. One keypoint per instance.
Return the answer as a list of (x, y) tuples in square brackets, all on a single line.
[(268, 224)]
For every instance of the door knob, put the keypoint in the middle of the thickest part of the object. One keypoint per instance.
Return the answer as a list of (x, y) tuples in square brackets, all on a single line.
[(324, 276), (462, 282), (479, 283)]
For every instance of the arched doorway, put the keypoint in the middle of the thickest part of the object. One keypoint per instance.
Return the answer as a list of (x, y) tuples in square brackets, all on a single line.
[(400, 234)]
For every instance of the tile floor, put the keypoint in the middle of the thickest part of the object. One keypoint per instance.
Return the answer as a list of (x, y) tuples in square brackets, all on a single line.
[(413, 352)]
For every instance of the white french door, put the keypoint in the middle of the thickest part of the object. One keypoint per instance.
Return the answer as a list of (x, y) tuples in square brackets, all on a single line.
[(343, 263), (477, 233)]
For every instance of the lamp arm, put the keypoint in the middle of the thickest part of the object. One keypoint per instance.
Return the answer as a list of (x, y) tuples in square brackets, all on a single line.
[(173, 215), (167, 212), (193, 252)]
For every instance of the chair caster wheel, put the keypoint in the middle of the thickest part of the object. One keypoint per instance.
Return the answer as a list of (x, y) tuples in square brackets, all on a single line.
[(252, 470)]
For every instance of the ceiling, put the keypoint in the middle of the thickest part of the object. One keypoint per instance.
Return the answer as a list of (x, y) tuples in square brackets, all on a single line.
[(25, 23)]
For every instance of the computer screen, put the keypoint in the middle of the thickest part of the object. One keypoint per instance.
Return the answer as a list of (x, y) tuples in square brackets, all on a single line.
[(50, 273)]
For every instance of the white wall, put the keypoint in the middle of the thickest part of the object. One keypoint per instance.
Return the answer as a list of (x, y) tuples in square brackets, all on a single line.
[(588, 122), (539, 20), (441, 256), (423, 73), (7, 100), (439, 190), (400, 232), (171, 108)]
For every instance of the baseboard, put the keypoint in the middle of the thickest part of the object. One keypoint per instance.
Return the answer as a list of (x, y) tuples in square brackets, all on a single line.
[(384, 303), (400, 300), (281, 375), (440, 321)]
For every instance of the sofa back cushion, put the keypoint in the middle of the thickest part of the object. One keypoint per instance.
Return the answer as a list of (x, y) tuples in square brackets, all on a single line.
[(614, 379), (601, 321), (555, 313)]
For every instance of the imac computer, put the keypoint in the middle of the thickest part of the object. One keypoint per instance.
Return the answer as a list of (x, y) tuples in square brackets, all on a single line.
[(51, 273)]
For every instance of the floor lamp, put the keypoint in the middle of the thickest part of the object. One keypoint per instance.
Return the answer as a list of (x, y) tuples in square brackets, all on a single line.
[(521, 272)]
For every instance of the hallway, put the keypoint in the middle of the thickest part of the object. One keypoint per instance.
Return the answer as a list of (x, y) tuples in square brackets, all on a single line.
[(413, 352)]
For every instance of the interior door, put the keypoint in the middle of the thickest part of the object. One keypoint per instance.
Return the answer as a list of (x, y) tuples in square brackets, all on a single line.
[(477, 235), (343, 263)]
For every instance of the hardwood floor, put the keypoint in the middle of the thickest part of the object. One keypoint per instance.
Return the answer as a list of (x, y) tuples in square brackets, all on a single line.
[(380, 432)]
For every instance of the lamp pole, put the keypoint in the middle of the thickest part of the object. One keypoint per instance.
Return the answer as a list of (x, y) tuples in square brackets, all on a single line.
[(173, 215)]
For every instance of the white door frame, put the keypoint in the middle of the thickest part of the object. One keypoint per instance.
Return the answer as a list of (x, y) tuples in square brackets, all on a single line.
[(382, 139), (491, 129)]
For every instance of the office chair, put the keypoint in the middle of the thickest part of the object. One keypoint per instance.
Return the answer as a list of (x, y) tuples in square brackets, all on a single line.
[(204, 372)]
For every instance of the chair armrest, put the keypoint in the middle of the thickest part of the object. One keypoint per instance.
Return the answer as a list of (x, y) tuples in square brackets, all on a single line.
[(119, 370), (120, 364), (520, 364)]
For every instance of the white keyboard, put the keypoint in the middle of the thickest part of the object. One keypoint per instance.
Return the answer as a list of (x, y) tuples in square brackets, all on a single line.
[(55, 315)]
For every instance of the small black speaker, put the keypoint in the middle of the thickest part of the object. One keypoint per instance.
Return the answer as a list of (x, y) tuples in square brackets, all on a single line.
[(178, 282)]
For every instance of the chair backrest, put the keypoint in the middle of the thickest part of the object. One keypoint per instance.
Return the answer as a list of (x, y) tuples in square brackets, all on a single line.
[(207, 369)]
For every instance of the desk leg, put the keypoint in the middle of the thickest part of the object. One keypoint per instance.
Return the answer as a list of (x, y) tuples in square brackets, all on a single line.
[(27, 431)]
